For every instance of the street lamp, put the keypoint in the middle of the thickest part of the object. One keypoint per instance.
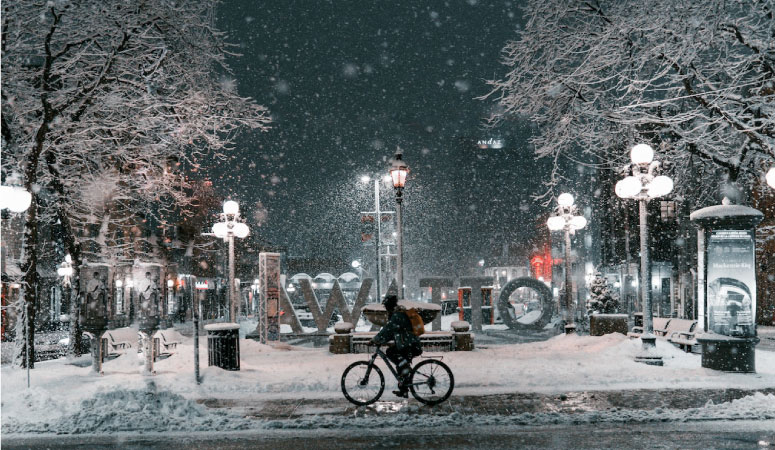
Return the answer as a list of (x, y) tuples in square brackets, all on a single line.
[(643, 185), (229, 227), (568, 221), (170, 300), (119, 297), (65, 270), (378, 217), (771, 177), (13, 196), (398, 172)]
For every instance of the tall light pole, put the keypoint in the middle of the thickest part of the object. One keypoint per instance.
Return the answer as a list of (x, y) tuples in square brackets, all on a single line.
[(229, 227), (568, 221), (378, 217), (17, 199), (398, 172), (643, 185)]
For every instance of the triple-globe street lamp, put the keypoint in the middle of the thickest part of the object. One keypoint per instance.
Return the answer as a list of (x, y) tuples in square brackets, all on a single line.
[(569, 221), (644, 185), (398, 172), (230, 226)]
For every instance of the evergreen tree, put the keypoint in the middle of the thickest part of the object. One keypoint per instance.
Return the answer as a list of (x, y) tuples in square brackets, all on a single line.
[(602, 299)]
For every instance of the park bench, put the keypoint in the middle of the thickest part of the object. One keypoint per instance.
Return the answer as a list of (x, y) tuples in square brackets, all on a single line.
[(680, 333), (166, 343), (119, 341), (660, 325)]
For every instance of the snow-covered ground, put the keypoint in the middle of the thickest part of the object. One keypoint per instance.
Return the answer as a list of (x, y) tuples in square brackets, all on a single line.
[(65, 398)]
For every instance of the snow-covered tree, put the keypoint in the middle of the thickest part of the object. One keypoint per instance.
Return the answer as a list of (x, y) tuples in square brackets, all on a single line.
[(694, 79), (103, 104), (602, 300)]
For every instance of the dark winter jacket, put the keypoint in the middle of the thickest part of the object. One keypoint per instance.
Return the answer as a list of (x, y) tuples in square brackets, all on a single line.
[(399, 329)]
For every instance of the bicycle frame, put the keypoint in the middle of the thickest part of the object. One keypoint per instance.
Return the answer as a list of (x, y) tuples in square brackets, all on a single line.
[(384, 357)]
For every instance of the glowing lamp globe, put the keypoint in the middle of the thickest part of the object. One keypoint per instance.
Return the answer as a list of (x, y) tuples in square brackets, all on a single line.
[(241, 230), (5, 194), (119, 284), (565, 200), (628, 187), (170, 283), (578, 222), (398, 171), (356, 264), (555, 223), (230, 207), (365, 178), (771, 177), (642, 154), (660, 186), (220, 229)]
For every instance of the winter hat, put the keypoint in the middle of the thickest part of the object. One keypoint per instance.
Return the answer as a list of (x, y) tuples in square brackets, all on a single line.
[(390, 301)]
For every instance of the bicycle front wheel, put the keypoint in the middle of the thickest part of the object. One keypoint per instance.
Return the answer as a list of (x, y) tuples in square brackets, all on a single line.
[(361, 384), (432, 382)]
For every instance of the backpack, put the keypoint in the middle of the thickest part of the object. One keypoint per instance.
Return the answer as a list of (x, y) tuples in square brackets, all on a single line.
[(418, 326)]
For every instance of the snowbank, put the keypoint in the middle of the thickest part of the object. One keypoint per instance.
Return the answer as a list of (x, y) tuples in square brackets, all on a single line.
[(65, 398)]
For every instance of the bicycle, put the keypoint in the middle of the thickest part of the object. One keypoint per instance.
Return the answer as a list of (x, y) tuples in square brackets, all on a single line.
[(431, 381)]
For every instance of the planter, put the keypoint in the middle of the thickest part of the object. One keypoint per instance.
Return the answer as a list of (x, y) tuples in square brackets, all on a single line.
[(601, 324), (728, 354), (377, 315)]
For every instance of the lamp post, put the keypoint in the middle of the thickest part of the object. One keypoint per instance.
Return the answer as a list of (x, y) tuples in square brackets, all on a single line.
[(119, 296), (771, 177), (16, 199), (398, 172), (170, 301), (229, 227), (568, 221), (378, 218), (643, 185)]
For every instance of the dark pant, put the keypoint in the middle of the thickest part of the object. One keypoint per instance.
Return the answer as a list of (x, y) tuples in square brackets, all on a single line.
[(396, 357)]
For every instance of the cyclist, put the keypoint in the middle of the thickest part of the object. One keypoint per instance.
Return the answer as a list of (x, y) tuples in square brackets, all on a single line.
[(407, 345)]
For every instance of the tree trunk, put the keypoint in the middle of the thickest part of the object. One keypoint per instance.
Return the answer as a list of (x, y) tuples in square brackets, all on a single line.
[(76, 334), (31, 279)]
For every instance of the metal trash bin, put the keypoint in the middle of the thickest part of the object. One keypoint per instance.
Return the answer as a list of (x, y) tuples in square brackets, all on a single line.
[(223, 345)]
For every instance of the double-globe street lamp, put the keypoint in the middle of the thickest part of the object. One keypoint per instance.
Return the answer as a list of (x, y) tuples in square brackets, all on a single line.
[(229, 227), (398, 172), (644, 185), (567, 220)]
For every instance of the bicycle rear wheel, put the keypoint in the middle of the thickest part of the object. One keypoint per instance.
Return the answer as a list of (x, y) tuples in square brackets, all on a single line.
[(432, 382), (361, 385)]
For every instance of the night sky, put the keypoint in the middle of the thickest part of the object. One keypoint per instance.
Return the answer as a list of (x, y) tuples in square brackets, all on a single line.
[(346, 83)]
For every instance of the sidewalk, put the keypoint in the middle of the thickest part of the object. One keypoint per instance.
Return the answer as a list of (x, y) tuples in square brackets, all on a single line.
[(565, 379)]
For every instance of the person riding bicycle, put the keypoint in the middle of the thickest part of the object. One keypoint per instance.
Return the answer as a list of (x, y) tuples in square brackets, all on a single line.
[(407, 345)]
